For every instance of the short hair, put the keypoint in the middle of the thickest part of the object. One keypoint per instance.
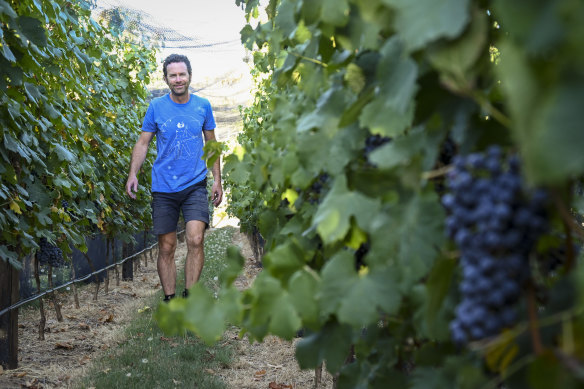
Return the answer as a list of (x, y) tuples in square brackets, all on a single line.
[(176, 58)]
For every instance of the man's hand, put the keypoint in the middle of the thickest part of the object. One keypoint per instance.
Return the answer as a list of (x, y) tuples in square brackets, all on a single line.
[(132, 186), (217, 193)]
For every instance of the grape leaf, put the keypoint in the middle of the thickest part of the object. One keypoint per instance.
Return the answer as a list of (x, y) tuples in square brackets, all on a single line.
[(335, 12), (423, 21), (331, 344), (33, 29), (332, 220), (357, 299)]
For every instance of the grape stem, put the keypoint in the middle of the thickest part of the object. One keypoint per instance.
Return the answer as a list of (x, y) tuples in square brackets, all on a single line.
[(316, 61), (437, 172), (533, 321), (569, 221)]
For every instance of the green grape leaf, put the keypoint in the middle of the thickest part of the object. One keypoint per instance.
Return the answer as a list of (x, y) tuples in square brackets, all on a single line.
[(546, 119), (335, 12), (6, 52), (198, 313), (391, 112), (455, 58), (332, 220), (358, 299), (423, 21), (33, 29), (6, 9), (429, 378), (274, 311), (234, 266), (417, 230), (63, 153), (285, 18), (7, 255), (284, 260), (303, 286), (327, 115), (32, 92), (330, 344)]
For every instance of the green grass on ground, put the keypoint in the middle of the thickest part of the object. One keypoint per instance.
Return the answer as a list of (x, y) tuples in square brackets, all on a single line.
[(149, 359)]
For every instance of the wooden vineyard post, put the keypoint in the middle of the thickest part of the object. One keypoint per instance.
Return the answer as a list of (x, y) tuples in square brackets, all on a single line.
[(127, 267), (9, 294)]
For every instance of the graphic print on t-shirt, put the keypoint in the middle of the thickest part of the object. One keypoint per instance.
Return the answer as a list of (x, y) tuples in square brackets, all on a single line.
[(183, 135)]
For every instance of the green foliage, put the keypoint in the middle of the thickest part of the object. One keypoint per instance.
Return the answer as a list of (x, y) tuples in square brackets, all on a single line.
[(72, 98), (331, 74)]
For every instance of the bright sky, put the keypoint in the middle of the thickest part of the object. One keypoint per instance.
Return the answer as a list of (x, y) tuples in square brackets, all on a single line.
[(212, 22)]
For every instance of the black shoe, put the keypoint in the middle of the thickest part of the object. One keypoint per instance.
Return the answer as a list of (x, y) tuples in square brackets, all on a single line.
[(186, 293), (168, 297)]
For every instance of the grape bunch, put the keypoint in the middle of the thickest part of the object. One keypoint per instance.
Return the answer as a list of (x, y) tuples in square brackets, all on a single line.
[(49, 254), (495, 222), (373, 142), (318, 189)]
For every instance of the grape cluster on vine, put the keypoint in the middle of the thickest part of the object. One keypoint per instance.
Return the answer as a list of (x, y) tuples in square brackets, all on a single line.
[(373, 142), (495, 221), (318, 189), (49, 254)]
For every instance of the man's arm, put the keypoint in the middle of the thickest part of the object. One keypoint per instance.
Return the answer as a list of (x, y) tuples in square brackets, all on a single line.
[(217, 189), (138, 156)]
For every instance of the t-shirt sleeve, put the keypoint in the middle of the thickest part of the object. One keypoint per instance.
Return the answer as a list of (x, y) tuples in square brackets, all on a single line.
[(209, 119), (149, 123)]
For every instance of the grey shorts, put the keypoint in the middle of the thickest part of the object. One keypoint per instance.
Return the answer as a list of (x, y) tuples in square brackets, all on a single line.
[(166, 207)]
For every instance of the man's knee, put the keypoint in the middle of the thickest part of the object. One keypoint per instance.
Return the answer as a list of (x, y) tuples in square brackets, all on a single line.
[(195, 240), (166, 247)]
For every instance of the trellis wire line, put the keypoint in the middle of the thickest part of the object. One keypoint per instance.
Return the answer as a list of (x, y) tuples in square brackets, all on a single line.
[(38, 296)]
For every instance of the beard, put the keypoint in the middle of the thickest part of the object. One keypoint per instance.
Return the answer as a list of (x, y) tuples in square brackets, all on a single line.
[(180, 91)]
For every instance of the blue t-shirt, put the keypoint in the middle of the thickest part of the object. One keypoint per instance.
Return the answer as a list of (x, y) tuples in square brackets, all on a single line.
[(179, 141)]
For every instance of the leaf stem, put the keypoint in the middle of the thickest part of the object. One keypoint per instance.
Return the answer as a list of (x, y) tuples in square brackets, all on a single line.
[(533, 321), (492, 110), (567, 217), (437, 172), (316, 61)]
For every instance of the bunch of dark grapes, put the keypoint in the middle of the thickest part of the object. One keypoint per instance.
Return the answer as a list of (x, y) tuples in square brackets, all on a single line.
[(373, 142), (318, 189), (496, 223), (49, 254)]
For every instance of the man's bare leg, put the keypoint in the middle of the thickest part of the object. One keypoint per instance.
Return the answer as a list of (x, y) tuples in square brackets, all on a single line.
[(166, 265), (195, 236)]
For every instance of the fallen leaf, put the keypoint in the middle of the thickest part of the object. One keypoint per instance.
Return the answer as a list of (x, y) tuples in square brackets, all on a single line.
[(176, 382), (64, 345), (21, 326), (84, 360), (259, 375), (20, 375), (84, 327), (274, 385), (33, 384), (107, 318), (210, 371), (106, 370)]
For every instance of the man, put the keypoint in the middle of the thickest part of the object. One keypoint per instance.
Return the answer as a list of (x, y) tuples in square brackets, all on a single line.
[(179, 120)]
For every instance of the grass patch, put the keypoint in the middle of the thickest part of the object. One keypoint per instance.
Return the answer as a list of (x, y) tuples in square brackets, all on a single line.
[(149, 359)]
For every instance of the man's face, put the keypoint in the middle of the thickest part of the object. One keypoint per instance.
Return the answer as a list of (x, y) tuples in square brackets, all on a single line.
[(178, 78)]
